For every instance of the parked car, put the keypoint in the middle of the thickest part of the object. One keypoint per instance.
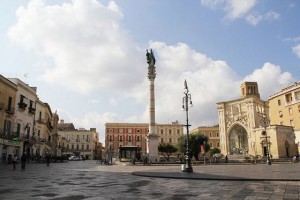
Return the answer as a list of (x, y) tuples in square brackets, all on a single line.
[(74, 158)]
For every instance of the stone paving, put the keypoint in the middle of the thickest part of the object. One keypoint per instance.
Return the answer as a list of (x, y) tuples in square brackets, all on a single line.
[(88, 180)]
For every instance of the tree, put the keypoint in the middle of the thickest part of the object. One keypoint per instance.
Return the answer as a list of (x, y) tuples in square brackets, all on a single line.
[(166, 149), (195, 140)]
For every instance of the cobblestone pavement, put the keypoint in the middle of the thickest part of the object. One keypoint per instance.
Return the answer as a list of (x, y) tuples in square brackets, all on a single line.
[(87, 180)]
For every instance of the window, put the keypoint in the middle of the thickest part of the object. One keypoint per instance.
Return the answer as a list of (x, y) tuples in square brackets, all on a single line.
[(170, 131), (40, 116), (218, 144), (129, 138), (121, 138), (290, 111), (210, 144), (9, 103), (110, 138), (170, 140), (110, 130), (210, 134), (67, 146), (82, 146), (77, 147), (6, 128), (292, 122), (19, 129), (161, 140), (279, 102), (87, 146), (72, 146), (280, 113), (83, 137), (161, 131), (217, 134), (138, 130), (138, 138)]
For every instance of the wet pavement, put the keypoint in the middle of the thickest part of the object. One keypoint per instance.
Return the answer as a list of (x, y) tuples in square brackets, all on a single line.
[(78, 180)]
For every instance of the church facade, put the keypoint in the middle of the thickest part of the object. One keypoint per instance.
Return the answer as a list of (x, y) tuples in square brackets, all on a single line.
[(245, 127)]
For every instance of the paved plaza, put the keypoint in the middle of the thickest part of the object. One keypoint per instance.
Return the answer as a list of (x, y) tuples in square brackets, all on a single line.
[(78, 180)]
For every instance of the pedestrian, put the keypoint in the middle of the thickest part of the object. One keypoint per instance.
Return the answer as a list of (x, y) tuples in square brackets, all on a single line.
[(48, 157), (226, 159), (14, 161), (23, 162)]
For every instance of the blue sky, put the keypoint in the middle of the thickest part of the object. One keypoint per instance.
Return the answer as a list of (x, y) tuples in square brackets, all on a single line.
[(87, 58)]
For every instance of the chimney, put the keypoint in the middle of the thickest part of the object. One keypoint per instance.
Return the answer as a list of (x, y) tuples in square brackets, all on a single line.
[(62, 121)]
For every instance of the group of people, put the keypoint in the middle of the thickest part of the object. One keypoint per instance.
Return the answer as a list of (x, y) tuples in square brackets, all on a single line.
[(23, 160)]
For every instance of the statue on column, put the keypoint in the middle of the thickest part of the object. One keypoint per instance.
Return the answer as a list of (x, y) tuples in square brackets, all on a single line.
[(151, 61)]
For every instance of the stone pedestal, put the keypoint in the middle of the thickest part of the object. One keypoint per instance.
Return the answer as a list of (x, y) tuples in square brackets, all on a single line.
[(152, 148)]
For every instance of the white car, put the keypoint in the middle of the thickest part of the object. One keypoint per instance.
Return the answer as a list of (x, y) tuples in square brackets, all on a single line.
[(74, 158)]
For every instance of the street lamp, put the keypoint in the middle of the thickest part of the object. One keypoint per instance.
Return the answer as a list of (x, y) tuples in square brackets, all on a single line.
[(265, 122), (186, 103)]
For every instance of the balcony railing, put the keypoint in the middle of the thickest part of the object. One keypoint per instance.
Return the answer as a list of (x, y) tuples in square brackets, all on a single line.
[(22, 105), (10, 110), (31, 110), (40, 120)]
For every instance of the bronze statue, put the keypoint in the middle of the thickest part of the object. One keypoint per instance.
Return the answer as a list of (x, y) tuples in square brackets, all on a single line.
[(151, 62)]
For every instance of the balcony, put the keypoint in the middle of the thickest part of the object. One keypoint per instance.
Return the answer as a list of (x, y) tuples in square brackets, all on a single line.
[(49, 125), (10, 110), (22, 105), (40, 121), (31, 110)]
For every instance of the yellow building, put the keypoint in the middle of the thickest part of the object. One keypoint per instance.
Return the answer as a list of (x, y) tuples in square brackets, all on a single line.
[(134, 134), (83, 143), (9, 133), (285, 108), (44, 134), (212, 132)]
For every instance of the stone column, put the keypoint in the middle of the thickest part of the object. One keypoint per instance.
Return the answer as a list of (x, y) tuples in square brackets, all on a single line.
[(152, 137)]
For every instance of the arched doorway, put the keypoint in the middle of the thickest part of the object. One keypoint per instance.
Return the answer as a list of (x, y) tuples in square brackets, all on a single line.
[(238, 140)]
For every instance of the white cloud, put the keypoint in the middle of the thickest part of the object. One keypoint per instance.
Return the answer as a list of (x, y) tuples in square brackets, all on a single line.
[(270, 79), (83, 39), (236, 9), (296, 50), (254, 18), (213, 4)]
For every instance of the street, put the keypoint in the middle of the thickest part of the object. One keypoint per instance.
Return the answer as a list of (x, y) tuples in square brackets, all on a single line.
[(77, 180)]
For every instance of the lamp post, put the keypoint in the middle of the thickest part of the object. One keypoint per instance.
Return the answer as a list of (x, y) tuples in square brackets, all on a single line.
[(265, 123), (186, 103)]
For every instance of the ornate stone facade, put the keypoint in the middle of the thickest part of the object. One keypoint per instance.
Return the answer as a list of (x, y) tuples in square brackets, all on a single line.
[(241, 129)]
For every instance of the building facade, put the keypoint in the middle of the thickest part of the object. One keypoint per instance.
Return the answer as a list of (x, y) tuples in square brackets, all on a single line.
[(285, 108), (82, 143), (26, 123), (134, 134), (9, 134), (242, 131), (212, 132)]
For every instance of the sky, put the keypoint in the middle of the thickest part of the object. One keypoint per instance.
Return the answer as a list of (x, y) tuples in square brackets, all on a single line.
[(87, 58)]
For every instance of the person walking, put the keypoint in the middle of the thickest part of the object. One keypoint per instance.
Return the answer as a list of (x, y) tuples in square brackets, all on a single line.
[(23, 162), (226, 159), (48, 157), (14, 161)]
